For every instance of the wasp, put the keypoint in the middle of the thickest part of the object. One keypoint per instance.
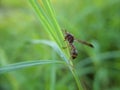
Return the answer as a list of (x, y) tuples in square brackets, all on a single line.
[(70, 38)]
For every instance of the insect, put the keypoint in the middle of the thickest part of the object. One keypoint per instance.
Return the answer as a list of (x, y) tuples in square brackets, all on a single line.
[(73, 52), (70, 38)]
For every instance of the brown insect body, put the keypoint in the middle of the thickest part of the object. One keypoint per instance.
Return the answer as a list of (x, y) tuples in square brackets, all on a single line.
[(73, 52), (70, 38)]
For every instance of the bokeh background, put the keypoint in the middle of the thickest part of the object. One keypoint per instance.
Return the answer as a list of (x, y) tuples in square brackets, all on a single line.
[(95, 21)]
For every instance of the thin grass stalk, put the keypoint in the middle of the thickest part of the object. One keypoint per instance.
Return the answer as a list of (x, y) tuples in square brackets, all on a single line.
[(78, 82), (52, 15), (48, 27), (51, 20), (47, 17), (43, 18)]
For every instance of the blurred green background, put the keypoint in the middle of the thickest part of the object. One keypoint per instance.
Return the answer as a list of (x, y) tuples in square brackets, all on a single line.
[(95, 21)]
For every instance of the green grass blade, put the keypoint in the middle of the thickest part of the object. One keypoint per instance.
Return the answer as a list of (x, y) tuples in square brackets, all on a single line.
[(12, 67), (49, 25), (53, 45), (47, 17)]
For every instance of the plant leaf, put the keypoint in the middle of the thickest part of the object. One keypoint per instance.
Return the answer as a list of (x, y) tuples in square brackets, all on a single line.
[(12, 67)]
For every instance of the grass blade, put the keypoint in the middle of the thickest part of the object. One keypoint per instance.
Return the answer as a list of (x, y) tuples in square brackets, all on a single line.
[(12, 67), (46, 15)]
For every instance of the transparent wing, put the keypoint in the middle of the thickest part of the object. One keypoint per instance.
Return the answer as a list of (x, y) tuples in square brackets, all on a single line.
[(85, 43)]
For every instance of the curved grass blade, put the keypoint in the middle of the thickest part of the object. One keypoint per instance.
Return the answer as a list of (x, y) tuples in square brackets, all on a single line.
[(53, 45), (16, 66)]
